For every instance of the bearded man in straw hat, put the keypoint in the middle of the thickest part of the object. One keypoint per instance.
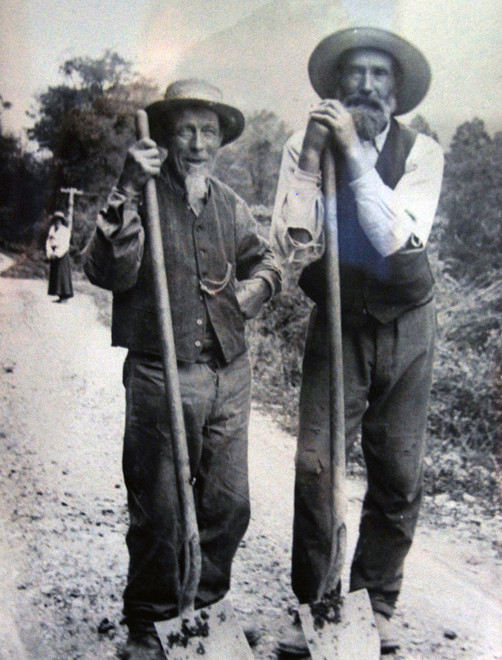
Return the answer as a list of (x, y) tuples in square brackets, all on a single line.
[(220, 271), (388, 185)]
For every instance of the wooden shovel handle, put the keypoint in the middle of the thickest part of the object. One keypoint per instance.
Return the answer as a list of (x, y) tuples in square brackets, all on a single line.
[(337, 413), (192, 555)]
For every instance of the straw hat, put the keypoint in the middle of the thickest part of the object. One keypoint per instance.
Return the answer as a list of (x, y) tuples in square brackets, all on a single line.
[(415, 73), (198, 93)]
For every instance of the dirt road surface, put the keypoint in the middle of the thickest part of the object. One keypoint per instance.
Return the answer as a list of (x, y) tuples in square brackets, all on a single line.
[(63, 518)]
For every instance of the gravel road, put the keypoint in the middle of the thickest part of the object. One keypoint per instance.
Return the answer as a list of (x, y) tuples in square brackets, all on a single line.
[(63, 517)]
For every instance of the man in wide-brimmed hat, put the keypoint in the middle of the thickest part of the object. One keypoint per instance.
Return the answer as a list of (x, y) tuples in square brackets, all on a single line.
[(220, 271), (388, 184)]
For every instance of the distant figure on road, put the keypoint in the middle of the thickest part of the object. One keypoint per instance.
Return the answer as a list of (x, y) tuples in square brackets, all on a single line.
[(57, 248), (388, 184), (220, 271)]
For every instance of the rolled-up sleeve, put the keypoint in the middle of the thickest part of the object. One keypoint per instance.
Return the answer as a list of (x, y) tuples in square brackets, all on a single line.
[(254, 256), (298, 205), (113, 255)]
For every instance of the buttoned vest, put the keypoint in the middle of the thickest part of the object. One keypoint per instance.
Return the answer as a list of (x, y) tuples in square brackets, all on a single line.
[(200, 265), (384, 287)]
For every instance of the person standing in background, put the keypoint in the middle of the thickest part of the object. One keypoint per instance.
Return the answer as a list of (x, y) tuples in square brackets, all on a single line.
[(57, 249)]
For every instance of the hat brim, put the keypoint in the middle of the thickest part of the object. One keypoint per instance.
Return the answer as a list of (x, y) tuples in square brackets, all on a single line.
[(231, 119), (415, 71)]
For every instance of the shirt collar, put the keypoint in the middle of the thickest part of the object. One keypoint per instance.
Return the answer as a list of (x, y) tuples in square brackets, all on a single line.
[(381, 137), (378, 142)]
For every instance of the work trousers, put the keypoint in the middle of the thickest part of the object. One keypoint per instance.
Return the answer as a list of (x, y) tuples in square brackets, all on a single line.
[(216, 404), (387, 379)]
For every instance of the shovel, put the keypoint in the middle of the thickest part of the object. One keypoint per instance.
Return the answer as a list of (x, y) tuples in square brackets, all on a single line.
[(337, 627), (210, 631)]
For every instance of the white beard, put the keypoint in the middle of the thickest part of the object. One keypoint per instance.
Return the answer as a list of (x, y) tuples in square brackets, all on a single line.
[(196, 189), (368, 122), (370, 116)]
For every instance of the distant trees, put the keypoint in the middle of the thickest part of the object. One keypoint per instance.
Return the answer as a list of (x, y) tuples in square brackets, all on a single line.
[(106, 85), (421, 125), (472, 202), (87, 123), (251, 164), (22, 186)]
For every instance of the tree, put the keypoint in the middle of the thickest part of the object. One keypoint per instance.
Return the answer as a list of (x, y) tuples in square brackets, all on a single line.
[(251, 164), (87, 124), (421, 125), (22, 181), (86, 82), (472, 202)]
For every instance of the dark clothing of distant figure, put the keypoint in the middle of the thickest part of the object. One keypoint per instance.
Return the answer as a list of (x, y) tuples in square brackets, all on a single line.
[(57, 251)]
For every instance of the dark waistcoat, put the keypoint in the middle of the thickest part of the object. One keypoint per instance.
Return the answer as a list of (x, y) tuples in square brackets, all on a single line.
[(384, 287), (200, 263)]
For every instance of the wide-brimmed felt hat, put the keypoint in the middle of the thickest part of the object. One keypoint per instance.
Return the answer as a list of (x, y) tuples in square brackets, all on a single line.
[(195, 93), (415, 73)]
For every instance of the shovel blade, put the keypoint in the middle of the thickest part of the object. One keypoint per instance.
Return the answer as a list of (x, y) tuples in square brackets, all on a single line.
[(354, 636), (212, 632)]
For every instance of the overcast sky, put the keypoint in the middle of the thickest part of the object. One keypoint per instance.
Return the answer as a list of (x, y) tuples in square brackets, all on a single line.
[(462, 39), (38, 35)]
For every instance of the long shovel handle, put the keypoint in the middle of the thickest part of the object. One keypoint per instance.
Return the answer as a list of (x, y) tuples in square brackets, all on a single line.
[(192, 554), (337, 414)]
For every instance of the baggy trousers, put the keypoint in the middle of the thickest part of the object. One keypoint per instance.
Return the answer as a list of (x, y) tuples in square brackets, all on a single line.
[(216, 404), (387, 379)]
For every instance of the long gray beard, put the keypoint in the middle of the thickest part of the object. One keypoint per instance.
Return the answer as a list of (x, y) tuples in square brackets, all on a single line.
[(196, 189), (369, 122), (370, 115)]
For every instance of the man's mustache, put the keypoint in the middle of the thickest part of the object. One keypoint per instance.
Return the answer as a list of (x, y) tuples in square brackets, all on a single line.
[(357, 101)]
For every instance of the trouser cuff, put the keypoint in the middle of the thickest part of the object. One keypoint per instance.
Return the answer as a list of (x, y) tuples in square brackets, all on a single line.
[(379, 604)]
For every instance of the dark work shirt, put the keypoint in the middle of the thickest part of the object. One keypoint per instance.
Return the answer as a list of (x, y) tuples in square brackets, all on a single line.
[(205, 256)]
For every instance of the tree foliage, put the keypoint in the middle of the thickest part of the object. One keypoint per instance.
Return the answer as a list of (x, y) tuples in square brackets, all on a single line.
[(87, 123), (87, 81), (251, 164), (22, 184), (472, 202), (421, 125)]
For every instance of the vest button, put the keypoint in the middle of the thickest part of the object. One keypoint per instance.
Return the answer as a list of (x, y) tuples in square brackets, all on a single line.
[(198, 343), (199, 321)]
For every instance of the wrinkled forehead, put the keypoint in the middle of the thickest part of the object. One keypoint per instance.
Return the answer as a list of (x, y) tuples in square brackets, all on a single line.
[(195, 115), (367, 57)]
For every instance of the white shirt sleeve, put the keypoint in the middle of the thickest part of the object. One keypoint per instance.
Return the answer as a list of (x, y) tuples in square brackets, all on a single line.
[(298, 205), (391, 217)]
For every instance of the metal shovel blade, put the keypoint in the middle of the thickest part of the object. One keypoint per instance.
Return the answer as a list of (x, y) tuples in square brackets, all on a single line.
[(213, 632), (355, 635)]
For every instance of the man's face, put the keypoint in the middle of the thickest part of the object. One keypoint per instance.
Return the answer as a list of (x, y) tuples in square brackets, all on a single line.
[(367, 87), (194, 142)]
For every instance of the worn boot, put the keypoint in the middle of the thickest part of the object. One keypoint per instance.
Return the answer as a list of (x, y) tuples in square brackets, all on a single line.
[(293, 642), (144, 646)]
